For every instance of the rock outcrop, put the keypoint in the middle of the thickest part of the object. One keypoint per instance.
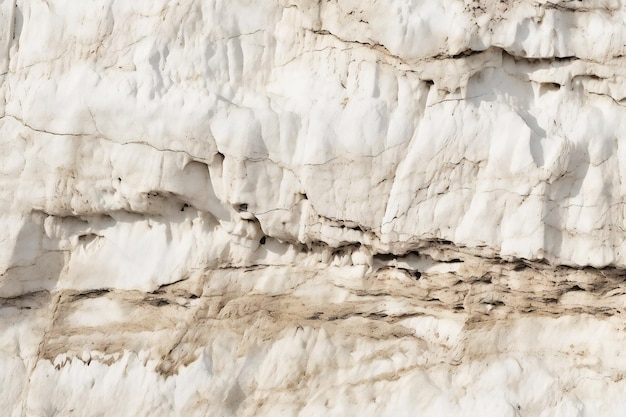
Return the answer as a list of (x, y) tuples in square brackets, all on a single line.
[(312, 208)]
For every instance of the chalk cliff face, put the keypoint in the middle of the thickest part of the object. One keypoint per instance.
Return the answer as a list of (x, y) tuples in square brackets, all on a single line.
[(301, 208)]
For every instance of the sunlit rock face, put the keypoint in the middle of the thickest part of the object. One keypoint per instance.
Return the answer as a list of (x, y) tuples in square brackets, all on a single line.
[(300, 208)]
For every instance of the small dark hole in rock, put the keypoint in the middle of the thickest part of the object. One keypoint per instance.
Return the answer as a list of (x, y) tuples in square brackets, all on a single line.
[(385, 257), (262, 241)]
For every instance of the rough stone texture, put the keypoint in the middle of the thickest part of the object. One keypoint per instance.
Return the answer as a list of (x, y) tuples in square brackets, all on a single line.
[(329, 208)]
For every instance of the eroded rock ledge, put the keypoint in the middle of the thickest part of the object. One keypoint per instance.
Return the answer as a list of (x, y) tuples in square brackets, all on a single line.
[(267, 338), (443, 282)]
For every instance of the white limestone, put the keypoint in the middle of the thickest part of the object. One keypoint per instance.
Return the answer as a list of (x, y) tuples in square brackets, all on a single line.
[(312, 208)]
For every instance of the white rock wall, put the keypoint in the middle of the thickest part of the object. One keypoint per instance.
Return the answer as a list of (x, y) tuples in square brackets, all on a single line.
[(312, 208)]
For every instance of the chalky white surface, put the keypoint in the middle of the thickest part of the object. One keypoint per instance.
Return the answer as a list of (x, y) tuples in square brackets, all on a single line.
[(248, 152)]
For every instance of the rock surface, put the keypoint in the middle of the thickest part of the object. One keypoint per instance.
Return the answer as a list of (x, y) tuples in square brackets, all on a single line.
[(312, 208)]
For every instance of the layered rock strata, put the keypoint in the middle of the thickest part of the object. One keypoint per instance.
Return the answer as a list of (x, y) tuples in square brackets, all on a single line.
[(312, 208)]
